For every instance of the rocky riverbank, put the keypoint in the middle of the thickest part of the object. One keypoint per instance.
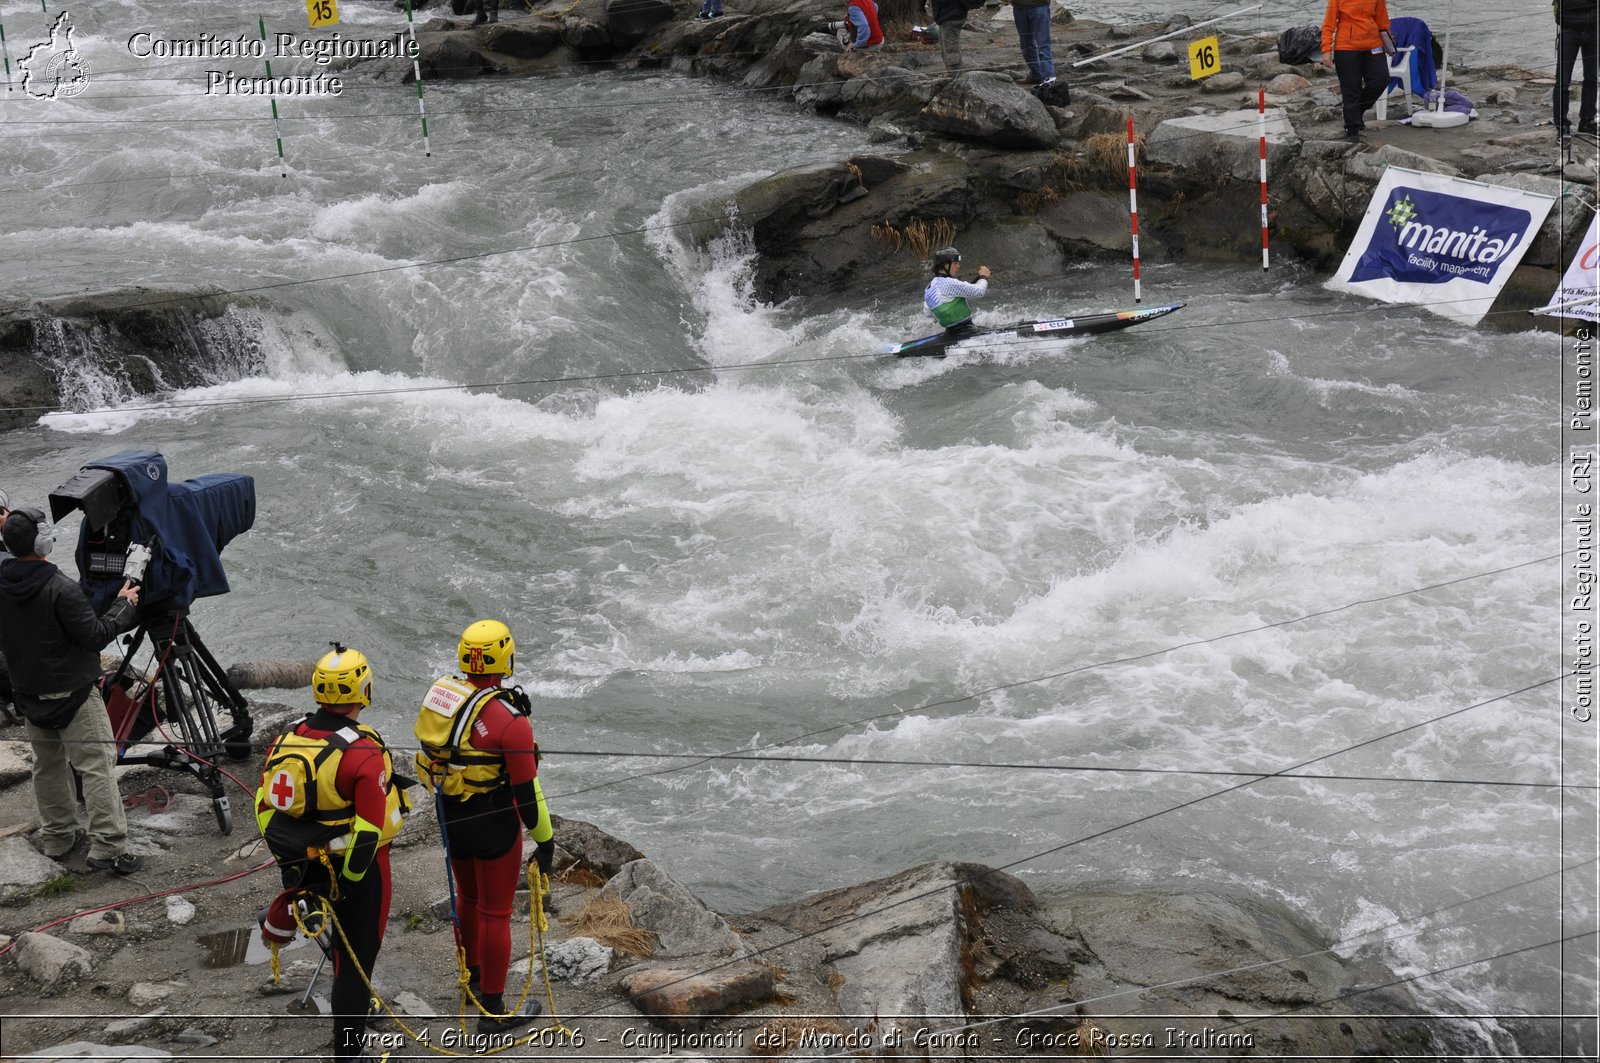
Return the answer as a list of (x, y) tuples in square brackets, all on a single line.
[(945, 960)]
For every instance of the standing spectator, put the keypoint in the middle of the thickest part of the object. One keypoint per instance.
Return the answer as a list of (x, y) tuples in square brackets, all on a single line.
[(709, 10), (52, 639), (488, 11), (950, 16), (1033, 34), (479, 755), (1576, 35), (865, 36), (328, 788), (1355, 45)]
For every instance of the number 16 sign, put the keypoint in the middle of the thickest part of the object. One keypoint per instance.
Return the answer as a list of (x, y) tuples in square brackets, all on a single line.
[(1205, 58)]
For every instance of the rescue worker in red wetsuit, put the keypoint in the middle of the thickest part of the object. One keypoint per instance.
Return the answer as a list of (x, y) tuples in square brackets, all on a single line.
[(479, 754), (328, 805)]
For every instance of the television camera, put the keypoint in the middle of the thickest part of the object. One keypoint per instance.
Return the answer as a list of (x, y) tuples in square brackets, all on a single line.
[(168, 539)]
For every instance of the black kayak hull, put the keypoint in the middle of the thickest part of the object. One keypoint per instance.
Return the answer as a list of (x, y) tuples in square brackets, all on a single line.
[(1060, 329)]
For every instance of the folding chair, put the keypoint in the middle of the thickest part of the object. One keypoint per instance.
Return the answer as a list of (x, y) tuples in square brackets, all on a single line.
[(1399, 67)]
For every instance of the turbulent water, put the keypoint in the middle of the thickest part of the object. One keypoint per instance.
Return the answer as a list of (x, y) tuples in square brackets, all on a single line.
[(1276, 526)]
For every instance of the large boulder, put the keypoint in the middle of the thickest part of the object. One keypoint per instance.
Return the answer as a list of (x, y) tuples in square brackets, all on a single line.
[(1227, 143), (48, 960), (522, 40), (989, 108), (680, 921), (686, 997), (593, 851), (451, 57)]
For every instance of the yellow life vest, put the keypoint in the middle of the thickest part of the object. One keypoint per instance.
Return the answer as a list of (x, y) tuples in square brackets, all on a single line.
[(448, 760), (299, 807)]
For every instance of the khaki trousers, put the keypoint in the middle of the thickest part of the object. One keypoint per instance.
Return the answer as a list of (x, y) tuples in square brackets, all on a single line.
[(84, 744)]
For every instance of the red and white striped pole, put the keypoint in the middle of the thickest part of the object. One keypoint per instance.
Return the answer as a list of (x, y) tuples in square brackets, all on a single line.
[(1133, 211), (1262, 120)]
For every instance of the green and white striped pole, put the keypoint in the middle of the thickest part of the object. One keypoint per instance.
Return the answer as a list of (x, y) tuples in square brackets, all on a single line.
[(277, 124), (416, 71), (7, 53)]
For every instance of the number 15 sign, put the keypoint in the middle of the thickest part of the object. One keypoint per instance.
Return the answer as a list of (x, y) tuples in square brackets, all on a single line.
[(322, 13)]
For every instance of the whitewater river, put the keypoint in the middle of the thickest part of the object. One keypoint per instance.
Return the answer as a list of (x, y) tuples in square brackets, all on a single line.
[(1277, 525)]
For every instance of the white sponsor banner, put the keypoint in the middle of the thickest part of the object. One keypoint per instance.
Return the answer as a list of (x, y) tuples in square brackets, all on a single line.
[(1579, 294), (1443, 242)]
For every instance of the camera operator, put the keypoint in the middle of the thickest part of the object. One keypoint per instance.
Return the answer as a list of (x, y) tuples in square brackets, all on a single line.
[(52, 638)]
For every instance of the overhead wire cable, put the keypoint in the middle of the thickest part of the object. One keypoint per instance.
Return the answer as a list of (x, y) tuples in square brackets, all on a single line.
[(1190, 803)]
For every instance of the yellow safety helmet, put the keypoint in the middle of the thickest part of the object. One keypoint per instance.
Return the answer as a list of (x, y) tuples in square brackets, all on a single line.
[(342, 677), (487, 648)]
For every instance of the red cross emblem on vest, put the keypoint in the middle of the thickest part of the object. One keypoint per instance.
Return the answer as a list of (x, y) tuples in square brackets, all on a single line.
[(281, 792)]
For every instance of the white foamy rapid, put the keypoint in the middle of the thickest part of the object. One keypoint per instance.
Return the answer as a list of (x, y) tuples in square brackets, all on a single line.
[(1233, 541)]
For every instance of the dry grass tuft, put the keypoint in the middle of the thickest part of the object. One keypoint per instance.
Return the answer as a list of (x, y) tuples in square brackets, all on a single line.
[(578, 875), (609, 922), (918, 238)]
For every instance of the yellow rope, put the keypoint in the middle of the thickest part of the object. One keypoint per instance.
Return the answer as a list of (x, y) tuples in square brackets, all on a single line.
[(277, 971), (538, 886)]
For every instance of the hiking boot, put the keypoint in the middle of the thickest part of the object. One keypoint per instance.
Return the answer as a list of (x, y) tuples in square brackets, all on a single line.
[(529, 1011), (123, 863), (78, 838), (1586, 128)]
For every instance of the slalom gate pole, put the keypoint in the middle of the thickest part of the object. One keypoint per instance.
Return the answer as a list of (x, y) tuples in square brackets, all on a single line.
[(416, 72), (7, 53), (1261, 115), (277, 124), (1133, 212)]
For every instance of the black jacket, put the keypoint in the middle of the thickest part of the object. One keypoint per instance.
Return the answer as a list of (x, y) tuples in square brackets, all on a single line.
[(48, 631), (1576, 13), (948, 11)]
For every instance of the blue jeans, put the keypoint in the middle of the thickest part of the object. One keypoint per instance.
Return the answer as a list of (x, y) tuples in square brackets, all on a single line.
[(1033, 33), (711, 8)]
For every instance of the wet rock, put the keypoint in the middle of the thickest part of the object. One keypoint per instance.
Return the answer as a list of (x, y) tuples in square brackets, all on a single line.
[(989, 109), (681, 922), (685, 997), (1227, 143), (591, 848), (583, 33), (522, 40), (47, 960), (451, 57), (628, 21)]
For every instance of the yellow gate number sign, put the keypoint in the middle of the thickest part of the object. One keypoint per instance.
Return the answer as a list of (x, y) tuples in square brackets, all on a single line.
[(324, 13), (1205, 58)]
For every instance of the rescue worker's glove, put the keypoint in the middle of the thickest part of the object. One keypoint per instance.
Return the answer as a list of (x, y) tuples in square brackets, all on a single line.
[(544, 854)]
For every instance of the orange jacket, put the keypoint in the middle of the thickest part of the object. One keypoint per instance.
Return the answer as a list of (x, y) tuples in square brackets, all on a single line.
[(1353, 25)]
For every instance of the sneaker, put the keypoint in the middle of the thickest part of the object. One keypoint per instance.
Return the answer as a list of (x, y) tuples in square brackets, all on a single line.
[(1047, 81), (124, 863), (529, 1011), (1586, 128)]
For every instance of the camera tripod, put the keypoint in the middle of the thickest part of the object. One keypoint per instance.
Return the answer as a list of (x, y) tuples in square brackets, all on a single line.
[(190, 683)]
